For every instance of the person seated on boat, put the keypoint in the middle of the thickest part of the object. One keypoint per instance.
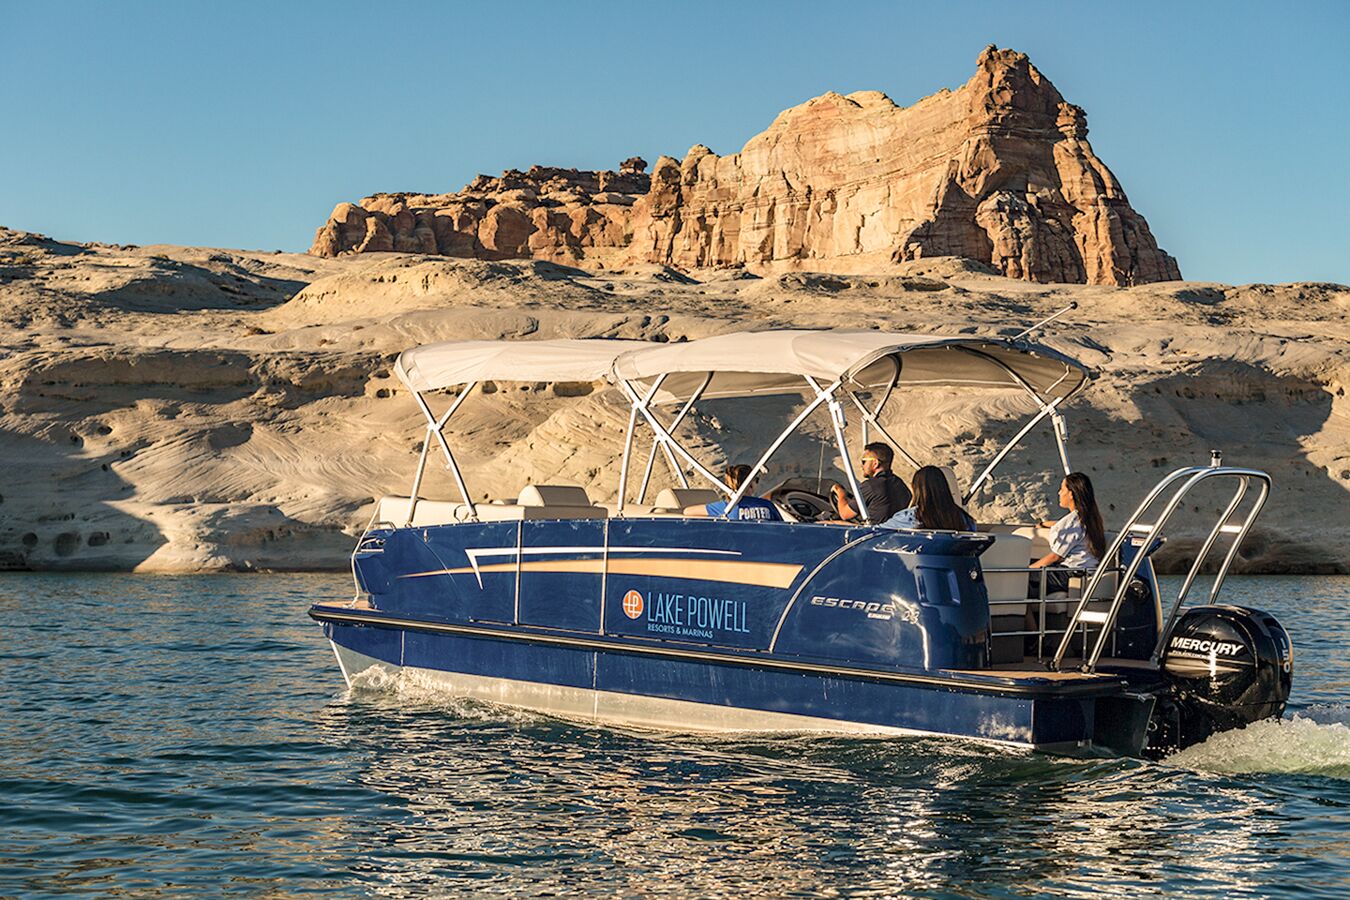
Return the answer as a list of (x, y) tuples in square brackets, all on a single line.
[(883, 493), (1077, 540), (755, 509), (934, 506)]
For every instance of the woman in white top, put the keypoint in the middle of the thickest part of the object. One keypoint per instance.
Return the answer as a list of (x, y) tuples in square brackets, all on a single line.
[(1078, 540)]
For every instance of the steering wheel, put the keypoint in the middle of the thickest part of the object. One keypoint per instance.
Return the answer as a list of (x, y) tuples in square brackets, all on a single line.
[(835, 511), (808, 505)]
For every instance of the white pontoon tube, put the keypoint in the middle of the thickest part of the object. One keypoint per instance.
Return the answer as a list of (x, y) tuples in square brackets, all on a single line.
[(466, 364), (748, 364)]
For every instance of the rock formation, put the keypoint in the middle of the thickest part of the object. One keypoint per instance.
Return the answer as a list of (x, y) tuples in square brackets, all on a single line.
[(998, 171), (186, 408)]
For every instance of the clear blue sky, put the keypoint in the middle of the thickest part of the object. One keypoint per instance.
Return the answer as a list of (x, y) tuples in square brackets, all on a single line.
[(241, 124)]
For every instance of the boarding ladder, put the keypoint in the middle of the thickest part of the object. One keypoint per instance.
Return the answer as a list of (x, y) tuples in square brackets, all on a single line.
[(1180, 482)]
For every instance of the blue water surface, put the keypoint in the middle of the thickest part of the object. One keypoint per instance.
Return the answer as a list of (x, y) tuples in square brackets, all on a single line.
[(192, 735)]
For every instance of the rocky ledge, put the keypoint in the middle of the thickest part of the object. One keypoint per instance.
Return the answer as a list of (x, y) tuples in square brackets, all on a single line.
[(181, 409)]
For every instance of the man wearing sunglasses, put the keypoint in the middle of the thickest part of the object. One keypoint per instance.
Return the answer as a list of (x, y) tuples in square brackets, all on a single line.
[(884, 493)]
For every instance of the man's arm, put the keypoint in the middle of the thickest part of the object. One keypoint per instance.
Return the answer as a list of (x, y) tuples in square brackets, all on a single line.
[(846, 512)]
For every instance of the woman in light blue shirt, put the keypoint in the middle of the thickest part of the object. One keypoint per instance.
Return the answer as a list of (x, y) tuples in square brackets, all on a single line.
[(934, 506)]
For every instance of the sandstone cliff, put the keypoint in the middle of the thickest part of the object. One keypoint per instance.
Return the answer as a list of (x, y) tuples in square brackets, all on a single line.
[(999, 171), (184, 409)]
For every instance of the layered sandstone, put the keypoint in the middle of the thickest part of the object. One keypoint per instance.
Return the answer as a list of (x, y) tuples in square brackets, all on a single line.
[(999, 171), (182, 409)]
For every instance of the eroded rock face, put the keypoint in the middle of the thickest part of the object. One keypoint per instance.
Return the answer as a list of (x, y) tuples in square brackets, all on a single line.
[(998, 171), (190, 408)]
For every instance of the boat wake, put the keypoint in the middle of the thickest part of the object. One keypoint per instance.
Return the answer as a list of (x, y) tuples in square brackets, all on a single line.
[(1313, 742), (412, 691)]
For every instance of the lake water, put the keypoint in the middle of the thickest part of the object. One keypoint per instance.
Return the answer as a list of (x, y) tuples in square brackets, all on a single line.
[(192, 735)]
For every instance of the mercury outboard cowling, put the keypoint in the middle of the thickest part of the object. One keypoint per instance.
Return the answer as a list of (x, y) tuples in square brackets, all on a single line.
[(1223, 667)]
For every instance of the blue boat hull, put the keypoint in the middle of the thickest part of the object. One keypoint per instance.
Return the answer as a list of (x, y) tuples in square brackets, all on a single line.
[(700, 691), (717, 626)]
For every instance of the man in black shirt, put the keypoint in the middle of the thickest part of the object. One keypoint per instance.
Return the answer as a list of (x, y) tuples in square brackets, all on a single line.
[(884, 493)]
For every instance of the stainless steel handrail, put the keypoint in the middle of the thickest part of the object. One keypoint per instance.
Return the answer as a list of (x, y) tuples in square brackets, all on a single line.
[(1192, 475), (1041, 600)]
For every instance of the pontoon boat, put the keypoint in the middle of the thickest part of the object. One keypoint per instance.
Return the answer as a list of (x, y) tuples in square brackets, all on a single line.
[(634, 613)]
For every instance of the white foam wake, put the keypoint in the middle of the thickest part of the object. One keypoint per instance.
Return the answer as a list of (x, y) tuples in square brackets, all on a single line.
[(1314, 744), (411, 690)]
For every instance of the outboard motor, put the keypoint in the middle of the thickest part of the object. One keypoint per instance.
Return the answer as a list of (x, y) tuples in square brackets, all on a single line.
[(1223, 667)]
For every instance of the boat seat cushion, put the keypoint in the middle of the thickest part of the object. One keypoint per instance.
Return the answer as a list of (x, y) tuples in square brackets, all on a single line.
[(679, 498), (1009, 551), (394, 510), (953, 484), (553, 495), (1039, 537)]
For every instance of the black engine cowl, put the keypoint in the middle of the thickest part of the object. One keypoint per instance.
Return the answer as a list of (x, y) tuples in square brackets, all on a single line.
[(1223, 667)]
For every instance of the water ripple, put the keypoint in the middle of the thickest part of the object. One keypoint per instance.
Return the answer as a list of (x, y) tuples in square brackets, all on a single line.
[(190, 735)]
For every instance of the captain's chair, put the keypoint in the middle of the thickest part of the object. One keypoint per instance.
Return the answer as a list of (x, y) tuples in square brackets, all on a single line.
[(676, 499)]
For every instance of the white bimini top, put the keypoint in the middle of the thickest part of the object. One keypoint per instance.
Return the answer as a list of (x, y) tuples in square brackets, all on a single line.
[(750, 363), (451, 363)]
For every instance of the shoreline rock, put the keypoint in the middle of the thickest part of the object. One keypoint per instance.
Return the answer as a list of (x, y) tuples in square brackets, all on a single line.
[(153, 420)]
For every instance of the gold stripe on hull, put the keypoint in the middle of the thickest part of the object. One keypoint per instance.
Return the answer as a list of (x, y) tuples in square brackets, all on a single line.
[(760, 574)]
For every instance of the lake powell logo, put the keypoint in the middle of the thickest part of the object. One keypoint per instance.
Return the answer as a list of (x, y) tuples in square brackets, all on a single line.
[(632, 604)]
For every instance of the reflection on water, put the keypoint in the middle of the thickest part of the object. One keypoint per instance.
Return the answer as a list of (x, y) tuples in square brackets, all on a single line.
[(192, 735), (719, 815)]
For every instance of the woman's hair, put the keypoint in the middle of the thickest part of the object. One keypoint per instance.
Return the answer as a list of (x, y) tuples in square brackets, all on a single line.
[(1085, 504), (735, 476), (934, 505)]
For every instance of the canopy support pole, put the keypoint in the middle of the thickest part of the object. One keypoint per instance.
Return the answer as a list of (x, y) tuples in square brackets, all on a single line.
[(417, 477), (627, 451), (1007, 448), (436, 426), (664, 437), (1061, 439), (872, 417), (670, 458), (1047, 408), (763, 460), (839, 422), (636, 407), (869, 416)]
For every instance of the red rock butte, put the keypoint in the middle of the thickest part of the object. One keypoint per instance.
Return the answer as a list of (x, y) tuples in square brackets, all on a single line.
[(998, 171)]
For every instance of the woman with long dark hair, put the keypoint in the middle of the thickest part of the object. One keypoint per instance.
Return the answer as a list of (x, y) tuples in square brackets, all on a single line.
[(1078, 540), (934, 505)]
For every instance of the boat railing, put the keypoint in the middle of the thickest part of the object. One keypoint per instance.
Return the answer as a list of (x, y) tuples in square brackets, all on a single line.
[(1044, 601), (369, 543), (1146, 535)]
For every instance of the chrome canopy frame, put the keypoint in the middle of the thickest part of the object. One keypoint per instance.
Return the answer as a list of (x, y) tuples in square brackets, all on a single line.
[(831, 396)]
